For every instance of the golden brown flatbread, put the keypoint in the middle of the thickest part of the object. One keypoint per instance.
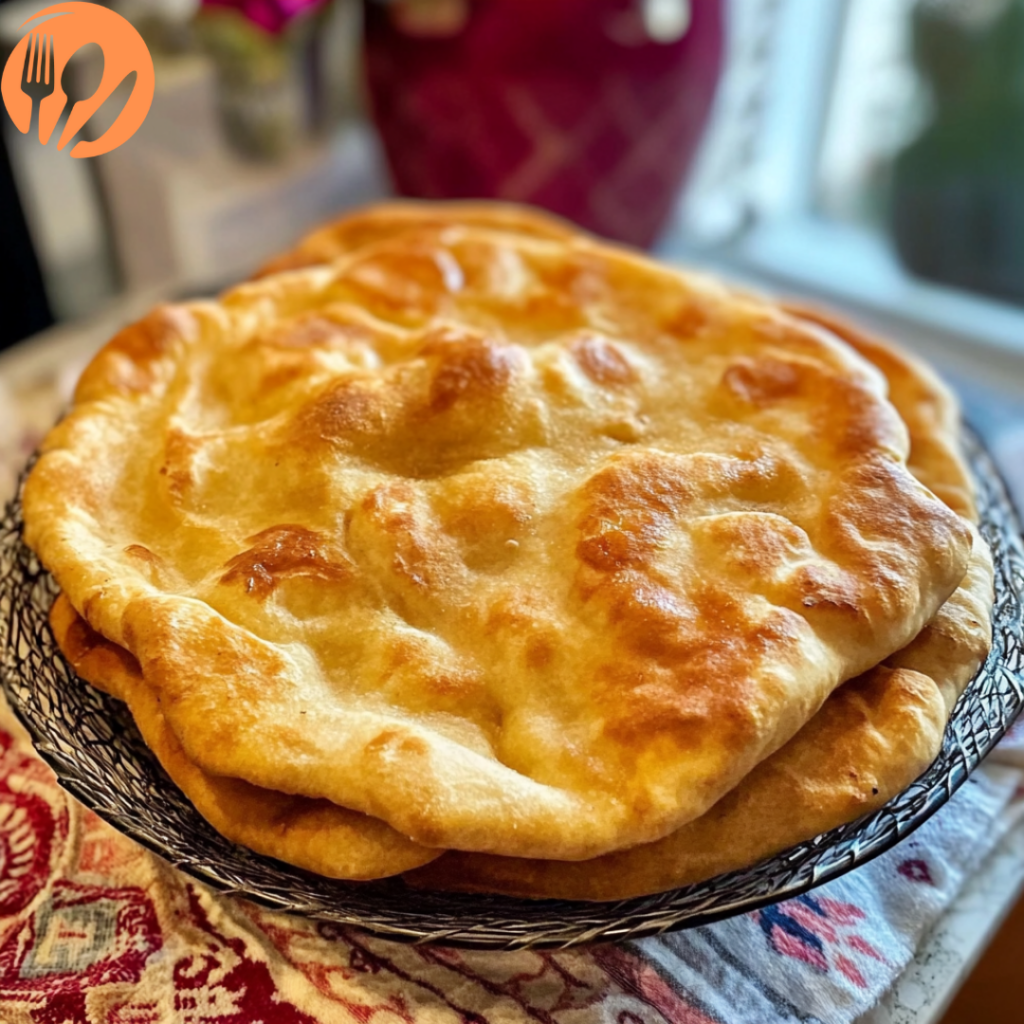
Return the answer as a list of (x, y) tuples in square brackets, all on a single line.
[(929, 409), (874, 736), (378, 223), (524, 546), (889, 702), (926, 404), (312, 834)]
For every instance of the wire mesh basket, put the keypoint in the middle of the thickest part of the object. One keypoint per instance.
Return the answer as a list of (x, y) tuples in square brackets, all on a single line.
[(91, 742)]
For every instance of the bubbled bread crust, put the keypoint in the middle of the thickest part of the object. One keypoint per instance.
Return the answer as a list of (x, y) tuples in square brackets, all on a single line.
[(312, 834), (524, 546)]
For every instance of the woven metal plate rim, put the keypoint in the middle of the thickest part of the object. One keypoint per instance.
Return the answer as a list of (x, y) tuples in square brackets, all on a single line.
[(89, 741)]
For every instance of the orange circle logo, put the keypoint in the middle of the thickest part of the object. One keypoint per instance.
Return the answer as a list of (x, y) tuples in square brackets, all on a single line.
[(31, 83)]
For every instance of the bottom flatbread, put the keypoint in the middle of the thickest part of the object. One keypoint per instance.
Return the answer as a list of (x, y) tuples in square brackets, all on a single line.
[(872, 738), (312, 834)]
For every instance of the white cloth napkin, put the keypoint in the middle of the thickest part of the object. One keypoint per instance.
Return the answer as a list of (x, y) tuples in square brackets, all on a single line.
[(829, 956)]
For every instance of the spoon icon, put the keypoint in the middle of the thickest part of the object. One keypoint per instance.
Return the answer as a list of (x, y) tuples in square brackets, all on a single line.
[(79, 81)]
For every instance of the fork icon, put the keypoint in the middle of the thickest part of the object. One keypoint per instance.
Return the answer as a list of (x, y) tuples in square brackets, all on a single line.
[(37, 82)]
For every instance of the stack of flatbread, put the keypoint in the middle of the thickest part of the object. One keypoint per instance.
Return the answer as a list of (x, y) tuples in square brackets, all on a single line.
[(461, 545)]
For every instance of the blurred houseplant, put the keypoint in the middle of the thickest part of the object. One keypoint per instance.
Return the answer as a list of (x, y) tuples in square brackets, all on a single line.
[(261, 50), (590, 108), (957, 209)]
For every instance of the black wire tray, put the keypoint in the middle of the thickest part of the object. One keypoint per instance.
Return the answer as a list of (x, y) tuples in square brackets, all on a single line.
[(91, 742)]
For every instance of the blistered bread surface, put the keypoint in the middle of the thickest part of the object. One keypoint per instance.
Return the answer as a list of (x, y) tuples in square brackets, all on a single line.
[(529, 547), (313, 834)]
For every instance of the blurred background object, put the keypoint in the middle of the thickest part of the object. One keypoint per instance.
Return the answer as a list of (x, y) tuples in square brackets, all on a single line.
[(23, 301), (811, 165), (260, 127), (261, 51), (863, 150), (590, 108), (957, 207)]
